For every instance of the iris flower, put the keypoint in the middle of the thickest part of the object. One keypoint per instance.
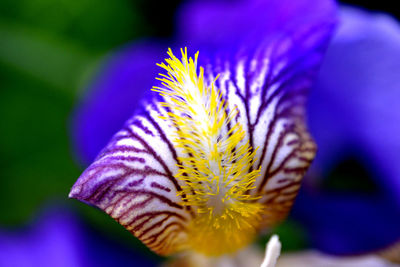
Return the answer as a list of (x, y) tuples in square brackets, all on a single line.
[(216, 154)]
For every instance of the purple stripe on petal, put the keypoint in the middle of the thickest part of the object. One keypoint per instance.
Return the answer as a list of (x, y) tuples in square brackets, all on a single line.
[(132, 180), (268, 86)]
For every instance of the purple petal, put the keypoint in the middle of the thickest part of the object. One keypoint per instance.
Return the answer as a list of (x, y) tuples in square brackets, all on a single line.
[(48, 244), (59, 238), (348, 223), (353, 107), (354, 103), (132, 180), (269, 87), (221, 23)]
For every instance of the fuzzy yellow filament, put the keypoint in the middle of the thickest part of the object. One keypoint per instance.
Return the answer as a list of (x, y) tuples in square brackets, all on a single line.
[(217, 164)]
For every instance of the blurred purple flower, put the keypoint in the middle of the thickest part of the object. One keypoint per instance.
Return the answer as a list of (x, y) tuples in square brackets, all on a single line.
[(59, 239), (353, 112), (352, 107)]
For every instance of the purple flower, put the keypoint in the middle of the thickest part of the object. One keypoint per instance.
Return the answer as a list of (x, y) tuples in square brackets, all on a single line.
[(219, 155), (353, 112), (58, 238)]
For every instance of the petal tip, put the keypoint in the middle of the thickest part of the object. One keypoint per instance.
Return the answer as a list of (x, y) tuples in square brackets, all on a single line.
[(75, 192), (72, 194)]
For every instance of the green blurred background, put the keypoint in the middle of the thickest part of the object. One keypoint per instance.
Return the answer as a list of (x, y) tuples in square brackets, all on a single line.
[(48, 51)]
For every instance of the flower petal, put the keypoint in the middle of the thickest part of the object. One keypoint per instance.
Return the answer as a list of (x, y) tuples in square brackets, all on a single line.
[(354, 104), (58, 238), (266, 79), (341, 224), (132, 180), (221, 23), (317, 259), (269, 86), (353, 111)]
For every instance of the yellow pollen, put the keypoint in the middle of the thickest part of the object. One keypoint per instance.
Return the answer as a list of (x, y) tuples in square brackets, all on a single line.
[(217, 166)]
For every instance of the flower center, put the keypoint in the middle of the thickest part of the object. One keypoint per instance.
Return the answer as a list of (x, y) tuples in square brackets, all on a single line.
[(216, 165)]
